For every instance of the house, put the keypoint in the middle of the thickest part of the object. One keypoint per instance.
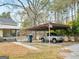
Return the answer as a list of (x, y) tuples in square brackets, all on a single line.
[(8, 27)]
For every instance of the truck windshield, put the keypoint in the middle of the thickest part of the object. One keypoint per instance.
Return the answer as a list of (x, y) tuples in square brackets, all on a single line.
[(52, 34)]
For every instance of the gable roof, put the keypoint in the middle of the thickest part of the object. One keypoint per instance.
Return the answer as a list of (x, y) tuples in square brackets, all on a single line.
[(7, 21)]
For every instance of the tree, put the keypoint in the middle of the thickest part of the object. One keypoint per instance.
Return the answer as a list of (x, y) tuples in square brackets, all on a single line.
[(5, 15), (35, 6), (64, 8), (32, 10)]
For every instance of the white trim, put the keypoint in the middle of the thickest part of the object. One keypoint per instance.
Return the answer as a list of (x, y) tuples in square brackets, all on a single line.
[(8, 27)]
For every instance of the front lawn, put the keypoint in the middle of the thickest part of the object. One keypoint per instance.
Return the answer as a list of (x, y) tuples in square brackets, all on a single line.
[(18, 52)]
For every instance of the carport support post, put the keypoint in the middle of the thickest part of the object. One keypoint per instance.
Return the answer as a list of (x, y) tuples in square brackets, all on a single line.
[(49, 32), (49, 26)]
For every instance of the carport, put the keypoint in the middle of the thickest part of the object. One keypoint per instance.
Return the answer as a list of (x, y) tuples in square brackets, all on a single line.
[(48, 27)]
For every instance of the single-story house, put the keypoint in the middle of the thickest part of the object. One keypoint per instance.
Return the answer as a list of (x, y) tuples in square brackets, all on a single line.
[(8, 27)]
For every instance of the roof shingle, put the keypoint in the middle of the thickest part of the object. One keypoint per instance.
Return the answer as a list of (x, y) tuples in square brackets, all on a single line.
[(7, 21)]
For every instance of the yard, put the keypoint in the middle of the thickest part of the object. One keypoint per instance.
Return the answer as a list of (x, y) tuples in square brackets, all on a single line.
[(44, 51), (18, 52)]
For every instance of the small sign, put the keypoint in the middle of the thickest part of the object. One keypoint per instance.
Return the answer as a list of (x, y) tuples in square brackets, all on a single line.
[(4, 57)]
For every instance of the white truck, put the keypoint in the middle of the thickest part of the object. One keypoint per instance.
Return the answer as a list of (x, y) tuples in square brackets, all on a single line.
[(53, 38)]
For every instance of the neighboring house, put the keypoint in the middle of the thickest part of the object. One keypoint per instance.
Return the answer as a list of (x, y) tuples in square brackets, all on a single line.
[(8, 27)]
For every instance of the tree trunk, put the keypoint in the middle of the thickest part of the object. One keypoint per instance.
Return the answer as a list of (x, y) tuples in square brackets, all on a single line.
[(58, 18), (72, 13), (62, 17), (75, 10), (35, 33), (55, 17)]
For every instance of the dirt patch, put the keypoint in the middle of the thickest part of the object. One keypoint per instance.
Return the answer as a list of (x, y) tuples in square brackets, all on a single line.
[(10, 49), (19, 52)]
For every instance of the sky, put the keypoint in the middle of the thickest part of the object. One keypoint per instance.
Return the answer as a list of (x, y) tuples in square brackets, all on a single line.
[(11, 9), (6, 9)]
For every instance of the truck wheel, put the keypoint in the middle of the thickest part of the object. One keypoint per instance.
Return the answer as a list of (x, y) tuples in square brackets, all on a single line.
[(54, 40)]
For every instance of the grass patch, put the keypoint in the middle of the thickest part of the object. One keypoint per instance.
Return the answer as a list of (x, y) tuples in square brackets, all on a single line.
[(47, 52)]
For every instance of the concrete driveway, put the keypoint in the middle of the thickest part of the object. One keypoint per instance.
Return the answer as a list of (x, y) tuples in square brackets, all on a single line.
[(74, 54)]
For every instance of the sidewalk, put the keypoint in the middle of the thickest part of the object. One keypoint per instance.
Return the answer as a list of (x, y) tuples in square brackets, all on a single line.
[(26, 46)]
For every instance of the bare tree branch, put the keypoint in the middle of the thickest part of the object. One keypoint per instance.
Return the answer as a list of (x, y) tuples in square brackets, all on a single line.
[(4, 4), (22, 4), (23, 7), (30, 7), (44, 5), (33, 5), (10, 4)]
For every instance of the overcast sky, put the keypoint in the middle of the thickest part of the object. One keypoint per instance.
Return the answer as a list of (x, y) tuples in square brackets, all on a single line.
[(11, 9)]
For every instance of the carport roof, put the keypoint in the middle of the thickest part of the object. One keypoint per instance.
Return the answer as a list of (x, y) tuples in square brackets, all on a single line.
[(44, 27)]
